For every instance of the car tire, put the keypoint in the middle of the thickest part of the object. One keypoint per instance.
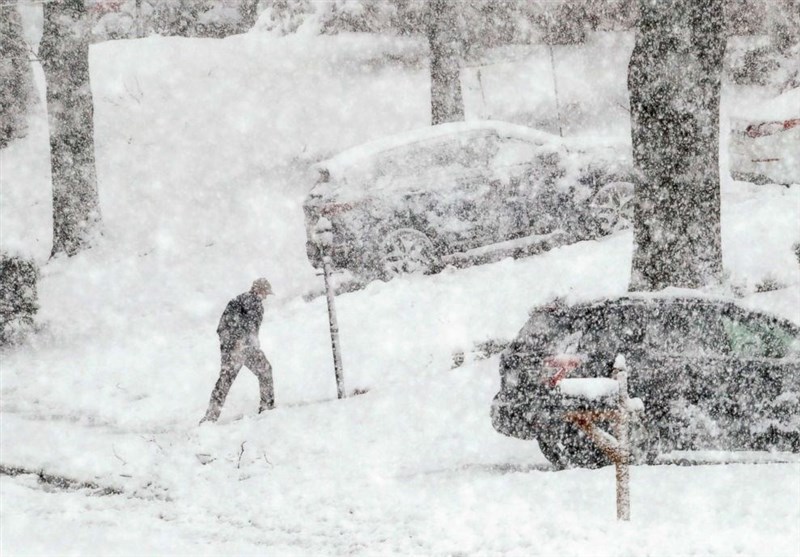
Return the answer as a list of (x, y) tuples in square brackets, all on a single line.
[(407, 251), (612, 207)]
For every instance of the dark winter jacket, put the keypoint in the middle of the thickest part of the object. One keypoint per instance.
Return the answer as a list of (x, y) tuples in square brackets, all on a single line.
[(241, 319)]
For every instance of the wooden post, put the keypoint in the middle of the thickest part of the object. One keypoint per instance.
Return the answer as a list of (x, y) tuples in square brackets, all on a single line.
[(617, 448), (622, 462)]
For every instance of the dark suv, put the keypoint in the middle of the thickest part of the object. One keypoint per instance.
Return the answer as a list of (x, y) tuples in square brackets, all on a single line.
[(712, 375)]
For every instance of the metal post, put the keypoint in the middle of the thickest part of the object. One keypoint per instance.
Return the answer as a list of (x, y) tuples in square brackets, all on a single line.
[(555, 88), (323, 237), (334, 327)]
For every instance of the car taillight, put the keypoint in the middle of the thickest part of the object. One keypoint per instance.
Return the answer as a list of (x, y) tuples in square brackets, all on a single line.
[(560, 366), (769, 128)]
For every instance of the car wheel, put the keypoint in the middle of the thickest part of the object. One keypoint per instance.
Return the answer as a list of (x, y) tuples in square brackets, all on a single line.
[(407, 251), (612, 207)]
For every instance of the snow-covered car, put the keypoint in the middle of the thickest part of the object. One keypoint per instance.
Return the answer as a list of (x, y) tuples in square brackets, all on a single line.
[(765, 142), (712, 376), (419, 200)]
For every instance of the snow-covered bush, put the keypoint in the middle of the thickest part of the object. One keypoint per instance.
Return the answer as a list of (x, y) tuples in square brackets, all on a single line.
[(366, 16), (120, 19), (771, 57), (768, 284), (284, 17), (753, 66), (18, 298)]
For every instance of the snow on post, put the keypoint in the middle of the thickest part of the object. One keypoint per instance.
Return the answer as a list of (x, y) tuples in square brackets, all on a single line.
[(324, 238)]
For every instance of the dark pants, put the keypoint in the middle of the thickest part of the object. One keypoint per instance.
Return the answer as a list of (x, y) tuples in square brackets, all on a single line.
[(234, 355)]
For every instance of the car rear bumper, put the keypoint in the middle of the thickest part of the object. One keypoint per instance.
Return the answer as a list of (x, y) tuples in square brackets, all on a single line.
[(513, 416)]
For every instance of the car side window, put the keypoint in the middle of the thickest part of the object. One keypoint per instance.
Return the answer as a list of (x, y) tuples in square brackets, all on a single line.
[(760, 338)]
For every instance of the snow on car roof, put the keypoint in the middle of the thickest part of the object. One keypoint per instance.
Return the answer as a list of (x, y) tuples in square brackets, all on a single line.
[(353, 155), (667, 293), (670, 293)]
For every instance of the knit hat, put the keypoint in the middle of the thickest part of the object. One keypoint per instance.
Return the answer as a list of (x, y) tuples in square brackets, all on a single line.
[(263, 285)]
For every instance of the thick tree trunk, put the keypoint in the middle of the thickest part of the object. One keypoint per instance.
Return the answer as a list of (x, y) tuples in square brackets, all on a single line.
[(249, 11), (16, 77), (444, 40), (64, 52), (139, 19), (674, 84)]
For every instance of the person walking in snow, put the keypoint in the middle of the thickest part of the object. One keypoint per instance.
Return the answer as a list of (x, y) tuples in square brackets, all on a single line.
[(238, 340)]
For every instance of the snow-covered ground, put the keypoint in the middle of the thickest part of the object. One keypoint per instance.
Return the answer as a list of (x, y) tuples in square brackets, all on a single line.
[(202, 148)]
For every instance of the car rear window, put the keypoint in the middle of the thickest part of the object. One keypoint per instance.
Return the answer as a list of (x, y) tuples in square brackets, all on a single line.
[(542, 328), (610, 329), (599, 331), (464, 151), (688, 328)]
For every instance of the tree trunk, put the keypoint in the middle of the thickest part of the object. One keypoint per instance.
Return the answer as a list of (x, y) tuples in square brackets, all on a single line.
[(674, 84), (139, 19), (64, 52), (16, 77), (249, 11), (444, 40)]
